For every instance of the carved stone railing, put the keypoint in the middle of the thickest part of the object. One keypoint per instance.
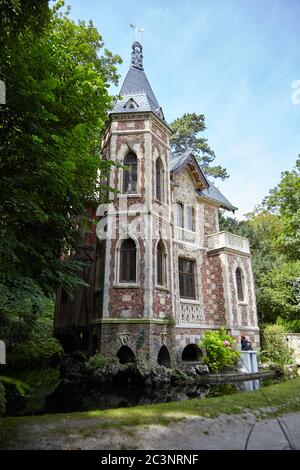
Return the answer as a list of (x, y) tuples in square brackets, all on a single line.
[(228, 240), (184, 235), (190, 313)]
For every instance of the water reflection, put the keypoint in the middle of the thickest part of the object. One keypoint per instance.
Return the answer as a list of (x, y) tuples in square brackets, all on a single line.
[(125, 395), (249, 385)]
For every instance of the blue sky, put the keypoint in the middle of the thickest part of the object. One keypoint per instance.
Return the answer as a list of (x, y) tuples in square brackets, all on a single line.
[(234, 61)]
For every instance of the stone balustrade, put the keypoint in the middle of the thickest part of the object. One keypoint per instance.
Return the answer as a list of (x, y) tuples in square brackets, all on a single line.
[(190, 313), (184, 235), (229, 240)]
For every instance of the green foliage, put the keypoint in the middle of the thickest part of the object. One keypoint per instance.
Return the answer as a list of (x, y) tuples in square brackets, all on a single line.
[(97, 362), (186, 137), (219, 352), (2, 400), (30, 337), (277, 277), (290, 326), (284, 200), (39, 384), (274, 346), (278, 292), (57, 75)]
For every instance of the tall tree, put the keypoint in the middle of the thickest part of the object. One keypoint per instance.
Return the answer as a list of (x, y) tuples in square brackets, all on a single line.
[(57, 75), (284, 200), (186, 137)]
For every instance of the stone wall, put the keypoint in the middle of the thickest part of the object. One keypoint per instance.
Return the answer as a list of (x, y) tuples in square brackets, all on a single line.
[(293, 340)]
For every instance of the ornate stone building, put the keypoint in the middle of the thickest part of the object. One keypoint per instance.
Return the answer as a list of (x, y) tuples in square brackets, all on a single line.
[(162, 272)]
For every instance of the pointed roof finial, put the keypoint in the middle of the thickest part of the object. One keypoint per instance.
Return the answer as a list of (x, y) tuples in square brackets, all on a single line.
[(137, 56), (137, 48)]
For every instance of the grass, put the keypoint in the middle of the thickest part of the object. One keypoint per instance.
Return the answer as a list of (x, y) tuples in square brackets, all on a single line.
[(282, 398)]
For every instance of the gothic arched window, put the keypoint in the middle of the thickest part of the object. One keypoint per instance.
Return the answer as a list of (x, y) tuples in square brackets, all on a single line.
[(128, 261), (160, 264), (239, 284), (159, 179), (130, 174)]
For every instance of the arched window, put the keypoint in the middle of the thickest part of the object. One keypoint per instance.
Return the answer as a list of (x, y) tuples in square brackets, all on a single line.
[(161, 264), (190, 218), (159, 179), (128, 261), (179, 214), (239, 284), (130, 174)]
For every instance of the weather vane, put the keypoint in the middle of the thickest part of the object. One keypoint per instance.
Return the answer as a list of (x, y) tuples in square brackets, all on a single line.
[(137, 32)]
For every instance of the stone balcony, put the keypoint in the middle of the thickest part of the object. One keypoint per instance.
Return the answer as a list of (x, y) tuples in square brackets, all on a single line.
[(228, 240)]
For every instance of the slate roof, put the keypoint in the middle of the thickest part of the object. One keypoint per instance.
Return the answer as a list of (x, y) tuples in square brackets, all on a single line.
[(137, 82), (141, 99), (137, 86), (211, 192)]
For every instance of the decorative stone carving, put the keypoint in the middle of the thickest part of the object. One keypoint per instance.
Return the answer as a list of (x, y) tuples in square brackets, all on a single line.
[(164, 337), (190, 313), (184, 190), (124, 338), (137, 55), (228, 240)]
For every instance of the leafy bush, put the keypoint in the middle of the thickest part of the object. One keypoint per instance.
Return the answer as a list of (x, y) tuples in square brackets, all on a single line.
[(40, 348), (2, 399), (97, 362), (274, 346), (219, 352), (290, 326)]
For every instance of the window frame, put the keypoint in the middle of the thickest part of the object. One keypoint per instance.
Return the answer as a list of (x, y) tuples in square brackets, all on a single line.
[(120, 280), (240, 284), (161, 246), (181, 206), (190, 217), (187, 275), (129, 173), (159, 180)]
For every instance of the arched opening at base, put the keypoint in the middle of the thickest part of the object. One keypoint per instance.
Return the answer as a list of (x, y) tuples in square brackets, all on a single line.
[(163, 358), (125, 355), (191, 353)]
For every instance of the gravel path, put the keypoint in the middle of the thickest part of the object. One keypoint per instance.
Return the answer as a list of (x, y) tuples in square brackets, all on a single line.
[(193, 433)]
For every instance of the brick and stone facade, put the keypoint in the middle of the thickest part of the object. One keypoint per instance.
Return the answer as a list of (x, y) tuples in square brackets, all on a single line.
[(162, 320)]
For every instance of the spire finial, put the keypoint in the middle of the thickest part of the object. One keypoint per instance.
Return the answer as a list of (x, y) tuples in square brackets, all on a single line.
[(137, 56), (137, 48), (137, 33)]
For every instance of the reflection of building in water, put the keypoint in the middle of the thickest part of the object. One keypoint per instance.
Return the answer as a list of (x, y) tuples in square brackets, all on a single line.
[(249, 385)]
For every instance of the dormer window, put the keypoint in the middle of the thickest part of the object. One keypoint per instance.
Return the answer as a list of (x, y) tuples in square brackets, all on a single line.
[(131, 104)]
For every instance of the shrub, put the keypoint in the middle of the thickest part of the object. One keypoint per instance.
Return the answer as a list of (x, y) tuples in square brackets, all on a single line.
[(290, 326), (219, 352), (97, 362), (2, 399), (274, 346)]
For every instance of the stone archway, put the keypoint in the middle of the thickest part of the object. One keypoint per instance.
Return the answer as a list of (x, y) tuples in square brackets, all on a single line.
[(191, 353), (125, 355), (163, 358)]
